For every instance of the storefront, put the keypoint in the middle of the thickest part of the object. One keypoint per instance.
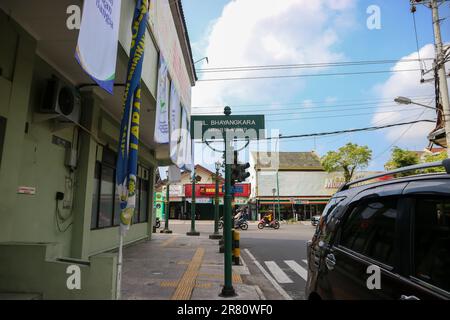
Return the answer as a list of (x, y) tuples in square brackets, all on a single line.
[(293, 208), (205, 198)]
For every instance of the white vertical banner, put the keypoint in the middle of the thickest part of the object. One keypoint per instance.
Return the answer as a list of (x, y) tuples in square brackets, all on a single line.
[(190, 149), (162, 105), (181, 154), (98, 39), (175, 124), (174, 174)]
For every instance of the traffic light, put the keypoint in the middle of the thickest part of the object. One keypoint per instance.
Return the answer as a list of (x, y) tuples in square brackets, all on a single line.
[(238, 171)]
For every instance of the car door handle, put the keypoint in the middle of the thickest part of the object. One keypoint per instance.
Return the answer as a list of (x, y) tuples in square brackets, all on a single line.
[(405, 297), (330, 261)]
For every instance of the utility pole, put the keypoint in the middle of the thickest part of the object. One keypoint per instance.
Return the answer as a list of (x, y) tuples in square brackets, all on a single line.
[(440, 64)]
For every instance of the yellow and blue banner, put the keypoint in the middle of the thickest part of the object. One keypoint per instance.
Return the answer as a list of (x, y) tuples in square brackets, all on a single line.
[(126, 173)]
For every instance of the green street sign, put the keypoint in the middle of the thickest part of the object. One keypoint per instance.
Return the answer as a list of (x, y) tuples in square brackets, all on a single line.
[(215, 127)]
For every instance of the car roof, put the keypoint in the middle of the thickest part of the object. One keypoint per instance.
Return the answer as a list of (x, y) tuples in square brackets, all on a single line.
[(350, 192)]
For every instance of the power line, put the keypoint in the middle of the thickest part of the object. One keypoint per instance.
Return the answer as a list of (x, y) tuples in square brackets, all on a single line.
[(306, 101), (336, 116), (310, 75), (348, 131), (394, 108), (306, 65)]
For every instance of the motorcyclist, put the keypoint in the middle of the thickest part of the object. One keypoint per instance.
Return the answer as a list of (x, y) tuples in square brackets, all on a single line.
[(268, 217), (239, 217)]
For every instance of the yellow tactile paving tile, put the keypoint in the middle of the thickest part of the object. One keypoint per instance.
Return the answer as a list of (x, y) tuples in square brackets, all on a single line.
[(188, 281)]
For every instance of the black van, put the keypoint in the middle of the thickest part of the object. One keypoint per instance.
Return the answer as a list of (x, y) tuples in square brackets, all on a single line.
[(384, 240)]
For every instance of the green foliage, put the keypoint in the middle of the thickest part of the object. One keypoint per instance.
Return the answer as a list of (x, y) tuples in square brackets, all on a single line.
[(436, 157), (348, 158), (401, 158)]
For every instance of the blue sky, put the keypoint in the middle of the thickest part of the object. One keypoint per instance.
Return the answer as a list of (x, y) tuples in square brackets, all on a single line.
[(262, 32)]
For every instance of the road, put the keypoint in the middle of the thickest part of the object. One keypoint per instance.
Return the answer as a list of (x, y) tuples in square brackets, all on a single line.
[(276, 258), (282, 255)]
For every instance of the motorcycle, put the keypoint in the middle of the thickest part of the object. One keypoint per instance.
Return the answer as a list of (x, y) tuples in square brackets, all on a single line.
[(157, 223), (242, 224), (264, 224)]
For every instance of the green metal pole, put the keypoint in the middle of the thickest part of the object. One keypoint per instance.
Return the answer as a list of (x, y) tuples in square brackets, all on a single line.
[(216, 234), (166, 211), (193, 232), (227, 290)]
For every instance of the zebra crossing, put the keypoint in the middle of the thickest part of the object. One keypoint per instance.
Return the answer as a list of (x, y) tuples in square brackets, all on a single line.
[(282, 271)]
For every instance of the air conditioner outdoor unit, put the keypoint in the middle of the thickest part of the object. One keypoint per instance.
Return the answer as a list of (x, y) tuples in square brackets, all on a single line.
[(62, 99)]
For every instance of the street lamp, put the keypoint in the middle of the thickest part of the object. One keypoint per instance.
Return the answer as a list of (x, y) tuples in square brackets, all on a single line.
[(167, 211), (193, 232), (405, 100), (216, 234)]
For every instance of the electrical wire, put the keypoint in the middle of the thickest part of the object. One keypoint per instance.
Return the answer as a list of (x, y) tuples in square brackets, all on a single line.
[(398, 138), (310, 75), (349, 130), (393, 107), (59, 216), (417, 43), (302, 103), (337, 116), (306, 65)]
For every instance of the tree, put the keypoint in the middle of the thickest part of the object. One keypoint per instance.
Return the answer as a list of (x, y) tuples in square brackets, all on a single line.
[(401, 158), (348, 158), (433, 158)]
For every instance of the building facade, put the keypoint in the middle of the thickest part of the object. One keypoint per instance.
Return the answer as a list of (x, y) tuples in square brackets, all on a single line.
[(58, 195), (294, 181), (180, 194)]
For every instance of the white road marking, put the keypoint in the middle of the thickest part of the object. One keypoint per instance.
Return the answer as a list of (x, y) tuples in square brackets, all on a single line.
[(269, 277), (305, 261), (297, 268), (276, 271)]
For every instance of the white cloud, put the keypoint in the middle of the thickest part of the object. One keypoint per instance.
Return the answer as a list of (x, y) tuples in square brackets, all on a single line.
[(408, 84), (267, 32)]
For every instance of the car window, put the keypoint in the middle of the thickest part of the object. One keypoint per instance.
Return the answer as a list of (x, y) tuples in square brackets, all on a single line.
[(370, 229), (432, 242)]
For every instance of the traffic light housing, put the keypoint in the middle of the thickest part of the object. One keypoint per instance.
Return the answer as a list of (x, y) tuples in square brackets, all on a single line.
[(238, 171)]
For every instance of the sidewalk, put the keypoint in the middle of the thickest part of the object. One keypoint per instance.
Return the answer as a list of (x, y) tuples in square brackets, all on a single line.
[(180, 267)]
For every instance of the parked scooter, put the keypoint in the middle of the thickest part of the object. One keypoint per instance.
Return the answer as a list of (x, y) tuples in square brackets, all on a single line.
[(221, 223), (264, 224)]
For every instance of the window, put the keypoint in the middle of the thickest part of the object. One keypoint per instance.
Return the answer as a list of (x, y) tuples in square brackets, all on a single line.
[(432, 242), (105, 201), (370, 229)]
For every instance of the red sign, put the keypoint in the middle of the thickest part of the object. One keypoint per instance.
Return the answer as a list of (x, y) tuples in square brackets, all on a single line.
[(209, 190)]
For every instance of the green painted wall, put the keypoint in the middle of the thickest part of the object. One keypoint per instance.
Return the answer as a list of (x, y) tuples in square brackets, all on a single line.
[(33, 268), (30, 243)]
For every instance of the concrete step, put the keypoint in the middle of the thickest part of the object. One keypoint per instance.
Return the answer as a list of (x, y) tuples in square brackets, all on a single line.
[(20, 296)]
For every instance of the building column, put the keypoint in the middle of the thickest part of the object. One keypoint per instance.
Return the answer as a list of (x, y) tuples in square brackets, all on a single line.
[(80, 245), (15, 132)]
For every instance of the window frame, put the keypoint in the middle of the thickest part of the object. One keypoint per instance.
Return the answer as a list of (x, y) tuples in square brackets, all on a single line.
[(413, 198), (361, 256), (139, 183)]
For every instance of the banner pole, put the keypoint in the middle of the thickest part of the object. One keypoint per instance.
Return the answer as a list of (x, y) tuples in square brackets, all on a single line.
[(119, 267)]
